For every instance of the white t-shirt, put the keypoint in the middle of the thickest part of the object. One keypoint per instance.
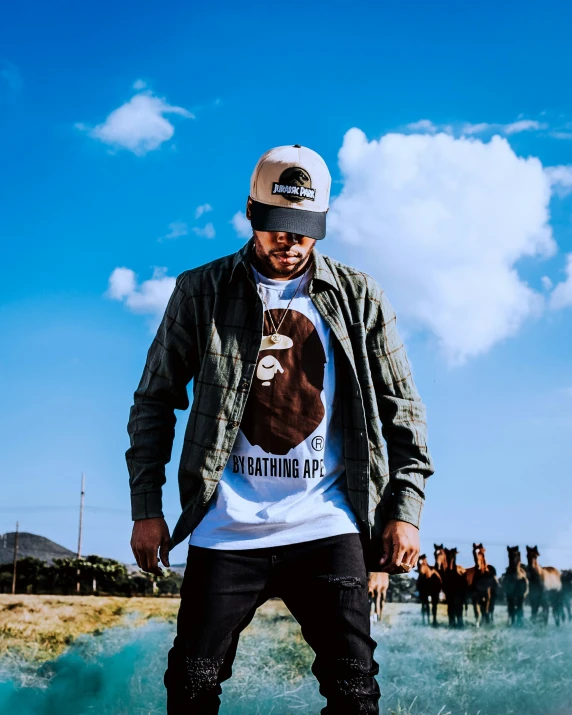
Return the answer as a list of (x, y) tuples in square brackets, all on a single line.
[(284, 481)]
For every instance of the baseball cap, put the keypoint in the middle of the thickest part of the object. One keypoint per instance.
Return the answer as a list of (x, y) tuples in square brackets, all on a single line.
[(290, 191)]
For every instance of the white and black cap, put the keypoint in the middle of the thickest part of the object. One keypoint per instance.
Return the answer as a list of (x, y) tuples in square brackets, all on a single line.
[(290, 191)]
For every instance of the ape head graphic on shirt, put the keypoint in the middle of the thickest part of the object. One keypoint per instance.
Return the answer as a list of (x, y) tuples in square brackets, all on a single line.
[(284, 405)]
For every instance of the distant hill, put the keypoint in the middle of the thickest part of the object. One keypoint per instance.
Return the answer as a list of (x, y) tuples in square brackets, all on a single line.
[(30, 545), (46, 550)]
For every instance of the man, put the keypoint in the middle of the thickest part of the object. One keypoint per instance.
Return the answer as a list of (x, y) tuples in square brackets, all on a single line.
[(298, 375)]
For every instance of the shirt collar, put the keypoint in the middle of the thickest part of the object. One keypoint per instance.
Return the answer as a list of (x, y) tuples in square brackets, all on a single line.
[(322, 271), (241, 256)]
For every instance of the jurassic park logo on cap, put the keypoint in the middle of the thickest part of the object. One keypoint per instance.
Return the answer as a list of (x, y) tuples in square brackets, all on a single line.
[(294, 184)]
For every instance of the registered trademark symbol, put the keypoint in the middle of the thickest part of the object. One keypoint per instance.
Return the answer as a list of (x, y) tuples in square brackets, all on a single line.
[(318, 443)]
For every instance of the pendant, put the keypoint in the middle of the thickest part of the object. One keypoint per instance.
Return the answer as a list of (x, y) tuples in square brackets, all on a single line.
[(269, 343)]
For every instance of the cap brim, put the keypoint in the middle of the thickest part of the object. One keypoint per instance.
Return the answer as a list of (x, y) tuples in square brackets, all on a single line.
[(264, 217)]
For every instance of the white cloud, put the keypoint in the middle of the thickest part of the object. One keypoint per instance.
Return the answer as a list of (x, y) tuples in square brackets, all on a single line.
[(241, 225), (476, 128), (176, 230), (203, 209), (546, 283), (523, 125), (562, 132), (147, 298), (207, 232), (468, 129), (423, 125), (441, 223), (139, 85), (561, 178), (561, 296), (138, 125), (122, 283), (561, 135)]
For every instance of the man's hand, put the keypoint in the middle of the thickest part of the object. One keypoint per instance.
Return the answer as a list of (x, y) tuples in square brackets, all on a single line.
[(150, 536), (400, 546)]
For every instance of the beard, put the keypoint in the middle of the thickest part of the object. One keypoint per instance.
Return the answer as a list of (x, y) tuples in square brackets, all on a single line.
[(270, 265)]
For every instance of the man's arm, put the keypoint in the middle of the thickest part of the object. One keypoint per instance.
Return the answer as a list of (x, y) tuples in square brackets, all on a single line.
[(404, 428), (171, 364)]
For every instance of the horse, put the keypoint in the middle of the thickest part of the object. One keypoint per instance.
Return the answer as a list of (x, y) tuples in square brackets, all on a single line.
[(545, 587), (515, 585), (483, 586), (377, 585), (429, 586), (566, 578), (454, 583)]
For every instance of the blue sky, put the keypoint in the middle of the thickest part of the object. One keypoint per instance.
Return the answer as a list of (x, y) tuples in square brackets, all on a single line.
[(205, 91)]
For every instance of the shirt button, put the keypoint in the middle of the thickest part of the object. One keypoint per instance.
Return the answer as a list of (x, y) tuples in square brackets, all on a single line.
[(219, 468), (244, 386), (233, 424)]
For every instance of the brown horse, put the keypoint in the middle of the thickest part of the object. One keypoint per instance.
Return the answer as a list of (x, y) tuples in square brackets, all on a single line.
[(515, 585), (454, 583), (567, 592), (377, 585), (429, 585), (483, 586), (545, 587)]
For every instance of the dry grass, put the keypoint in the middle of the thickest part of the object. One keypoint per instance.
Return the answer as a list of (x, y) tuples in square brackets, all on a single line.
[(39, 628)]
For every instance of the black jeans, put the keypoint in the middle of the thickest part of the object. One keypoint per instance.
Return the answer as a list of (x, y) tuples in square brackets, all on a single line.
[(324, 585)]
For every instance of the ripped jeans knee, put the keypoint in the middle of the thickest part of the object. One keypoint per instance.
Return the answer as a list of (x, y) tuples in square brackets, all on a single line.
[(201, 675), (350, 687), (193, 685)]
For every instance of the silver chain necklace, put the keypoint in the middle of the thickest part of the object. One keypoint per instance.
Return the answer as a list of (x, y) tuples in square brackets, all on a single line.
[(275, 337)]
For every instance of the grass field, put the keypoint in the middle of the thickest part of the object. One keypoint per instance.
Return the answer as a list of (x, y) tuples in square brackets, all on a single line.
[(423, 670), (40, 628)]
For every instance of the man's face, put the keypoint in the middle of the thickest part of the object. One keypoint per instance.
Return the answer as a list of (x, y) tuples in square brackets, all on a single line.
[(282, 254)]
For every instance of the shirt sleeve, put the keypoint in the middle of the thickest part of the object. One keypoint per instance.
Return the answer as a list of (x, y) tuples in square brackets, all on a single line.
[(170, 366), (402, 414)]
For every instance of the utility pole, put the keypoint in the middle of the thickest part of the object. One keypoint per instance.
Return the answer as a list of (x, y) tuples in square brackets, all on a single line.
[(80, 524), (15, 557)]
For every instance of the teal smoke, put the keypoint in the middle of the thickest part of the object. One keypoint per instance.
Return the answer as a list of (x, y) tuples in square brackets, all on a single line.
[(87, 679), (120, 672)]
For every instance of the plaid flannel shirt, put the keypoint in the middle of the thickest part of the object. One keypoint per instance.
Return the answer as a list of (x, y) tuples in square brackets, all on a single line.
[(211, 333)]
